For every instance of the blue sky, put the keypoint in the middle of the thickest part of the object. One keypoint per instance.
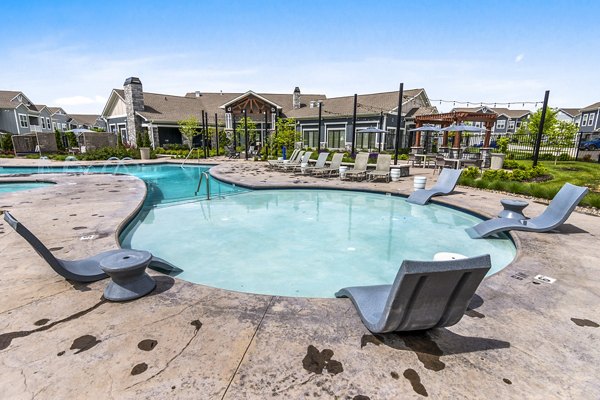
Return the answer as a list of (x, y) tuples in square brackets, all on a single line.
[(72, 54)]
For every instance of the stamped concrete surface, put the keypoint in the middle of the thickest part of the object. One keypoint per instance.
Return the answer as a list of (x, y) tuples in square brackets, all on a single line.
[(521, 338)]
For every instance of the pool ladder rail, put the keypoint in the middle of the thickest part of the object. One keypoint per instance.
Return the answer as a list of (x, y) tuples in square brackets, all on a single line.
[(189, 154), (204, 176)]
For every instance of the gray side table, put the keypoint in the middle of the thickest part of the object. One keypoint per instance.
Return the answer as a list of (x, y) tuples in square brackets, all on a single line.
[(127, 270), (513, 209)]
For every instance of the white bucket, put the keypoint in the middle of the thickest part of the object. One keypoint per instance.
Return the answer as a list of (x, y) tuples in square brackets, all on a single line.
[(343, 170), (395, 175), (419, 182)]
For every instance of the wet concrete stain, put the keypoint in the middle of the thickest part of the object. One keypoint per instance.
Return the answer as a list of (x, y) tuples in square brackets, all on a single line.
[(415, 381), (72, 215), (139, 368), (427, 351), (60, 353), (361, 397), (196, 324), (84, 343), (507, 381), (41, 322), (584, 322), (316, 361), (7, 338), (473, 314), (147, 344), (78, 228), (55, 248), (394, 375)]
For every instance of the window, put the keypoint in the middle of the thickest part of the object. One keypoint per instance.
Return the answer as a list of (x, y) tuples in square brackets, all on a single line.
[(584, 120), (591, 120), (47, 122), (43, 123), (336, 138), (54, 126), (23, 121), (113, 128), (310, 137), (365, 140), (64, 127), (511, 124), (518, 124), (500, 124)]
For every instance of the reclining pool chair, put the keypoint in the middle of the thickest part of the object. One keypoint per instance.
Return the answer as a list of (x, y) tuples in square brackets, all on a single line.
[(275, 163), (382, 169), (85, 270), (424, 295), (319, 164), (333, 168), (554, 215), (445, 184), (360, 167)]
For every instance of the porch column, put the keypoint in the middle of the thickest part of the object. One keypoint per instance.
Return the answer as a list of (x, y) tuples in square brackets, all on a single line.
[(486, 149), (444, 146), (417, 148)]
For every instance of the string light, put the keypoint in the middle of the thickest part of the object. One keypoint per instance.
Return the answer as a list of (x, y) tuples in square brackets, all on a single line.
[(484, 103)]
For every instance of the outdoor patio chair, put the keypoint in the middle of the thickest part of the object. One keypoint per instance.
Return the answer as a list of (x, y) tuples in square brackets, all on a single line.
[(318, 165), (414, 159), (85, 270), (293, 165), (291, 162), (274, 163), (557, 212), (441, 163), (333, 168), (382, 169), (447, 180), (424, 295), (360, 166), (232, 153)]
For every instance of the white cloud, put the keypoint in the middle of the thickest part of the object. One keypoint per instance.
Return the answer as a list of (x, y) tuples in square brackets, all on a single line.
[(79, 100), (519, 58)]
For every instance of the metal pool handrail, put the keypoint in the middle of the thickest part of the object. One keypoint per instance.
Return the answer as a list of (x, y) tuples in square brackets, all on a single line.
[(189, 154), (204, 175)]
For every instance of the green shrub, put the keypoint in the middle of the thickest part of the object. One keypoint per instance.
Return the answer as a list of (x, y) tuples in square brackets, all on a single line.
[(60, 145), (471, 173), (71, 139), (6, 142)]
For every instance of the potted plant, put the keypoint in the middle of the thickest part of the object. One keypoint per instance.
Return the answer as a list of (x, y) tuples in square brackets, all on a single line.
[(498, 155)]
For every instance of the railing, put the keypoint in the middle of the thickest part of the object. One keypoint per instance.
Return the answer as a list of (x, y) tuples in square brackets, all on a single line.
[(189, 154), (203, 176)]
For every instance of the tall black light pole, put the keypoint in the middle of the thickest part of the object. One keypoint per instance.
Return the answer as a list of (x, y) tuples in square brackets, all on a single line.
[(234, 134), (380, 127), (246, 131), (266, 138), (538, 141), (354, 123), (206, 134), (217, 133), (320, 120), (398, 123)]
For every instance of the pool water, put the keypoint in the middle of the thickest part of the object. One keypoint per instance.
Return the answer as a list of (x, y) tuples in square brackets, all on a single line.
[(165, 182), (18, 186), (307, 243)]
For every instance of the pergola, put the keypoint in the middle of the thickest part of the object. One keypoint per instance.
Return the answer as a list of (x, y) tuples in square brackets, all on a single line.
[(456, 117)]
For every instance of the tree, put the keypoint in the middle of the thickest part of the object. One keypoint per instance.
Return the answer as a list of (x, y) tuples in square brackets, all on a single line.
[(189, 128), (241, 131), (562, 136), (287, 135), (60, 145), (533, 124)]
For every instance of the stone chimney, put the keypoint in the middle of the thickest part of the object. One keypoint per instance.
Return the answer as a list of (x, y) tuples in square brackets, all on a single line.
[(296, 98), (134, 102)]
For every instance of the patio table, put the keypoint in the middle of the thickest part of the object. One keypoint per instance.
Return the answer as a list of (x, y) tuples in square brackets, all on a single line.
[(513, 209)]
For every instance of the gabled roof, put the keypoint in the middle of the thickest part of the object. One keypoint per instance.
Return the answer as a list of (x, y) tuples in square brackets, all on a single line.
[(367, 104), (247, 94), (85, 119), (9, 99), (571, 112), (54, 110), (591, 107), (510, 113)]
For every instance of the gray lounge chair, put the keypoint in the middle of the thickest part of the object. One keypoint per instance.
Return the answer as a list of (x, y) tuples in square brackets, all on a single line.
[(318, 165), (292, 163), (445, 184), (382, 169), (274, 163), (333, 168), (557, 212), (360, 166), (424, 295), (85, 270), (301, 160)]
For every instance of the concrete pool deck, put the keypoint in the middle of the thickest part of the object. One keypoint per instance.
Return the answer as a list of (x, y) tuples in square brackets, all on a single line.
[(519, 339)]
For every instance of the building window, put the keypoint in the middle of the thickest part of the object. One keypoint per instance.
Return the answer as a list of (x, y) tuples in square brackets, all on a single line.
[(64, 127), (500, 124), (48, 122), (511, 124), (43, 123), (310, 137), (365, 140), (23, 121), (584, 120), (518, 124), (591, 120), (113, 128), (54, 125), (336, 138)]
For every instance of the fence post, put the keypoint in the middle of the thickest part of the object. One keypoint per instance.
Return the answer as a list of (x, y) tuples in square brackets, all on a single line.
[(538, 142)]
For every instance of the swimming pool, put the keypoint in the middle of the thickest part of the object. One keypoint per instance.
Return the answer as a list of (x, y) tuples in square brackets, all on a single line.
[(10, 187), (306, 243), (300, 242)]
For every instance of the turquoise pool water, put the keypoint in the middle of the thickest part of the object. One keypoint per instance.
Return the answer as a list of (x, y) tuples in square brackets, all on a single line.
[(165, 182), (17, 186), (306, 243)]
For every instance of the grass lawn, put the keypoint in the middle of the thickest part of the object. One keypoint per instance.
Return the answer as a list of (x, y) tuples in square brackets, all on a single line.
[(575, 172)]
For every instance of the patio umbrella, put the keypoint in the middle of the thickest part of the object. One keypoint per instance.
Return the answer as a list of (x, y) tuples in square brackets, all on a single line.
[(462, 128), (370, 130), (426, 129)]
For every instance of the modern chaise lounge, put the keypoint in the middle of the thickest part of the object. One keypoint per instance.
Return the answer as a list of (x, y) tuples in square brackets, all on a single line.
[(424, 295), (557, 212), (445, 184), (84, 270)]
